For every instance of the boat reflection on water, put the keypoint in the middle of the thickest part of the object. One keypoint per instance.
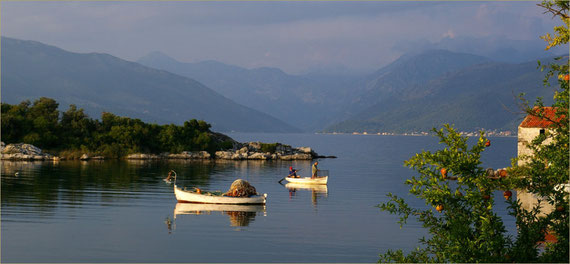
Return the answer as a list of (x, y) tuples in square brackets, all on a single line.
[(317, 191), (240, 215)]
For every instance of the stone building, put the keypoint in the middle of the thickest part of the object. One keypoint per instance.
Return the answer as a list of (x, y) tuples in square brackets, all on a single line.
[(528, 130)]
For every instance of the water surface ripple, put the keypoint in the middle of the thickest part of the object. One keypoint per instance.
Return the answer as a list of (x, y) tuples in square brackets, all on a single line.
[(122, 211)]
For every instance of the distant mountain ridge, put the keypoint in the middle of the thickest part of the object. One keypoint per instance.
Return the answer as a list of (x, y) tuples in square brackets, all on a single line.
[(308, 101), (416, 92), (100, 82), (411, 72), (481, 95), (403, 96)]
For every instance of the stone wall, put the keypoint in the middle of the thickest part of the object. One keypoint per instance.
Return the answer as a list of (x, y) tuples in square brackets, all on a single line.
[(525, 136), (529, 201)]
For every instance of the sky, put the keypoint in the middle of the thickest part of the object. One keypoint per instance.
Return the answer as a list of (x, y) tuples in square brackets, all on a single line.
[(297, 37)]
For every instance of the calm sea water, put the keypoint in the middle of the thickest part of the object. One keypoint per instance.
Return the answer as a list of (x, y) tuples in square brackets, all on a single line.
[(122, 211)]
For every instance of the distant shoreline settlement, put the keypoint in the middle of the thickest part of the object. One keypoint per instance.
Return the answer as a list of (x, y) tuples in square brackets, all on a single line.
[(491, 133)]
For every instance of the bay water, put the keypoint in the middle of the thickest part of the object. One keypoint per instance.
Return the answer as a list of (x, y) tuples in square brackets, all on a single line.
[(122, 211)]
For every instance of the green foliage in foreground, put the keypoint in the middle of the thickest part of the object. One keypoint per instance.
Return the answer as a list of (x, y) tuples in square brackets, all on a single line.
[(42, 125), (466, 229)]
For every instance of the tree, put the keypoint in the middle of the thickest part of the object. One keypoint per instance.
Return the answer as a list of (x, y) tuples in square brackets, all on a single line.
[(461, 195), (557, 9), (15, 125), (463, 226), (76, 127), (44, 117), (114, 136), (545, 173)]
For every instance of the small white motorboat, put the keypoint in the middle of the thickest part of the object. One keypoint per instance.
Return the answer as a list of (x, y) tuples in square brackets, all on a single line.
[(185, 196), (308, 180)]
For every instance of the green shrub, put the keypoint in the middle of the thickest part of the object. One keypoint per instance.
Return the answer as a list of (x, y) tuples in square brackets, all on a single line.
[(269, 147)]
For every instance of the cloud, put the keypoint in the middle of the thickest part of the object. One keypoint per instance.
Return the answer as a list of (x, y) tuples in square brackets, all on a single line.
[(294, 36)]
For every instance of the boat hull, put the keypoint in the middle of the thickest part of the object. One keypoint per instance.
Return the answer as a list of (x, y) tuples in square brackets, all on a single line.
[(192, 197), (308, 180)]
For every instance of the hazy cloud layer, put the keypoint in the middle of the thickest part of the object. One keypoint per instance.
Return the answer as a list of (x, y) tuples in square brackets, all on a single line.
[(293, 36)]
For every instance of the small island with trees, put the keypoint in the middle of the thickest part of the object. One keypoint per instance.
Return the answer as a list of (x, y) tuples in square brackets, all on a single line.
[(29, 128)]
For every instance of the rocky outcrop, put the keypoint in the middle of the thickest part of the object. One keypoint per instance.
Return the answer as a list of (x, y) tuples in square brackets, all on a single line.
[(240, 151), (183, 155), (23, 151), (263, 151), (189, 155), (297, 156), (21, 148), (259, 156), (142, 156)]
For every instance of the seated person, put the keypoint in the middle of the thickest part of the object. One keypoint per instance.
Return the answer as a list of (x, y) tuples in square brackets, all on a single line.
[(292, 172)]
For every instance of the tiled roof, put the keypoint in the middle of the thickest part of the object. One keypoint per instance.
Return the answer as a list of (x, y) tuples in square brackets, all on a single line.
[(535, 121)]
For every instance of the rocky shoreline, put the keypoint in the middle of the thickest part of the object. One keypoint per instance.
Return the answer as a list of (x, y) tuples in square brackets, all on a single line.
[(23, 151), (240, 151)]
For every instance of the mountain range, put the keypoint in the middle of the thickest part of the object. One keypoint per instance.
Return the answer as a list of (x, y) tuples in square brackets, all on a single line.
[(309, 101), (416, 92), (427, 90), (103, 83)]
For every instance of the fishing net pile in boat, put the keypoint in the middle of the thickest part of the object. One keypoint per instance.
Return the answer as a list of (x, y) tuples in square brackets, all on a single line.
[(241, 188)]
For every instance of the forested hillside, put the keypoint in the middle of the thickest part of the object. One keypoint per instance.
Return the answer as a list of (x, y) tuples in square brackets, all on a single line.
[(102, 83), (479, 96)]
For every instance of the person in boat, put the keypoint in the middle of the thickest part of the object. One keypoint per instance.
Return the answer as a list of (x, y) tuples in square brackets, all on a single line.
[(293, 172), (170, 175), (315, 170)]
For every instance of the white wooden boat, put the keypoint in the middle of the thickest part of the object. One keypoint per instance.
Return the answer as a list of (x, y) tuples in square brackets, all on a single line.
[(308, 180), (318, 188), (185, 196)]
